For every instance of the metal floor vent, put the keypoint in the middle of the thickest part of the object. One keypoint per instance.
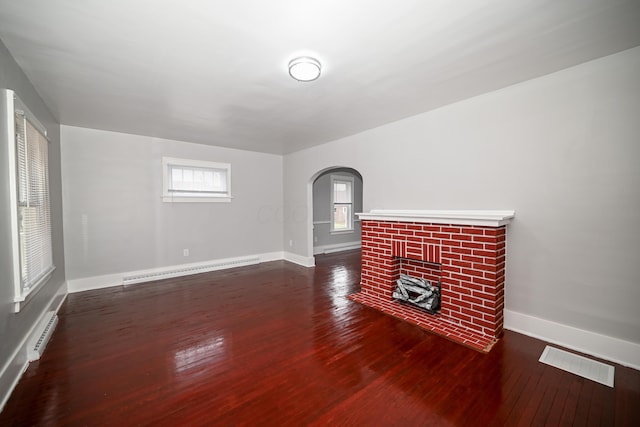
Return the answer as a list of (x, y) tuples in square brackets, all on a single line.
[(203, 268), (42, 336), (579, 365)]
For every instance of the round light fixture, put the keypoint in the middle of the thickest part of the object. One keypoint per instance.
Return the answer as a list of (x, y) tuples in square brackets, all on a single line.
[(304, 68)]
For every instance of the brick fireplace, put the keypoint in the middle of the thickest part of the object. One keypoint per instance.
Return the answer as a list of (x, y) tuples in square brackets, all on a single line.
[(464, 250)]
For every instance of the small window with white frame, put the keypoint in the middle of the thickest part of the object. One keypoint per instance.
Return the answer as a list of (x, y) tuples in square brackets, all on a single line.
[(185, 180), (341, 204)]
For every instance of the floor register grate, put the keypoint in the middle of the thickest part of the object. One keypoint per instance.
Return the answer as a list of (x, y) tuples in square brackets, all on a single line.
[(579, 365)]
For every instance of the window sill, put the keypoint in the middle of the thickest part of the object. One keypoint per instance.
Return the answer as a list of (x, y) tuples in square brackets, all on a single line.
[(169, 199), (22, 300), (342, 231)]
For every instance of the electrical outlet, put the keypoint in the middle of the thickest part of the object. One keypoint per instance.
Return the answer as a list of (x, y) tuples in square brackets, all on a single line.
[(290, 242), (185, 252), (315, 239)]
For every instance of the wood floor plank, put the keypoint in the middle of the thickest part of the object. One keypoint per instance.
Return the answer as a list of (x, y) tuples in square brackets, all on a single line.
[(557, 406), (280, 344), (627, 400)]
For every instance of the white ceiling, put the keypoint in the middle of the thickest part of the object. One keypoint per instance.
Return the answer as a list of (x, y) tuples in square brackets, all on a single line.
[(214, 71)]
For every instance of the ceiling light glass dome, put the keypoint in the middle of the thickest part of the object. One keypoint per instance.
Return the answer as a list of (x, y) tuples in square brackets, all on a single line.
[(304, 68)]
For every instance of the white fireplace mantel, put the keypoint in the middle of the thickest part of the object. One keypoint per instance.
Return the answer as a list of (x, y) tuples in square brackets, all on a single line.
[(487, 218)]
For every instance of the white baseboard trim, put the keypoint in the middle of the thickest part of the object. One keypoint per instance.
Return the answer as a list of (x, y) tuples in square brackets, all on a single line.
[(337, 247), (300, 259), (147, 275), (17, 364), (615, 350)]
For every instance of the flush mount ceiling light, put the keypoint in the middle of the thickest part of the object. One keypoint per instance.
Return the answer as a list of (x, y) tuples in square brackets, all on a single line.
[(304, 68)]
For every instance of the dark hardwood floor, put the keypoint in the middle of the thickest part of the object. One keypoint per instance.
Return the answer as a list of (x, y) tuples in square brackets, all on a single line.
[(278, 344)]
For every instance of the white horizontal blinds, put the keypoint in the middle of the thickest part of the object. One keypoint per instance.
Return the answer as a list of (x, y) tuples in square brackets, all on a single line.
[(342, 191), (201, 181), (34, 216)]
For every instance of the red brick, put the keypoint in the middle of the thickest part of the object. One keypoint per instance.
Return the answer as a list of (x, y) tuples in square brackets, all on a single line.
[(485, 267), (463, 317), (490, 247), (473, 245), (486, 296), (464, 237), (478, 252), (452, 282), (490, 318), (461, 263), (441, 235), (460, 290), (472, 313), (414, 239), (471, 272), (463, 251), (486, 282), (470, 230), (483, 323), (454, 269), (423, 234), (458, 276), (473, 300), (484, 239), (462, 303), (451, 229), (494, 231), (472, 258), (483, 309), (490, 275), (496, 260)]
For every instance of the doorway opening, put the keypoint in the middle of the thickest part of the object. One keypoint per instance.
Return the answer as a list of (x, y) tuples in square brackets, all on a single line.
[(336, 197)]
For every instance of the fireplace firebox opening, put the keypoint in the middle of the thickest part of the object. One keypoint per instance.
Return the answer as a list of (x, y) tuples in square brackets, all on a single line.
[(418, 292)]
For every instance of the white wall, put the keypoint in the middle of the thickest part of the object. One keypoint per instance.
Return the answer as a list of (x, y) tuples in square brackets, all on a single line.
[(323, 239), (116, 222), (562, 150), (15, 328)]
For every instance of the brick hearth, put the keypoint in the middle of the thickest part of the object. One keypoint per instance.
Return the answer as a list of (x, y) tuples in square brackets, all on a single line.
[(466, 250)]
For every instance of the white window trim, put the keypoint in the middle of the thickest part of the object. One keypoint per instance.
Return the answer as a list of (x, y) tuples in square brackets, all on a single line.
[(349, 230), (169, 197), (13, 104)]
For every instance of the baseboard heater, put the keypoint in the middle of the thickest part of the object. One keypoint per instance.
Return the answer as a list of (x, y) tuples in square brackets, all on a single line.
[(330, 249), (187, 270), (41, 336)]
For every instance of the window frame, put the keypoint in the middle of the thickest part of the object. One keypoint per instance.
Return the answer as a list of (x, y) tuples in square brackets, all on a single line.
[(23, 294), (350, 180), (192, 197)]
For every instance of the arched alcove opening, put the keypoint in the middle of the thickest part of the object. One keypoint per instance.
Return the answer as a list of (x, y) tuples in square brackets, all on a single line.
[(336, 196)]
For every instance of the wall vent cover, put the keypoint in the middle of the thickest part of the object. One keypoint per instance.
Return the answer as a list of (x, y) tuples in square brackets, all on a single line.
[(579, 365)]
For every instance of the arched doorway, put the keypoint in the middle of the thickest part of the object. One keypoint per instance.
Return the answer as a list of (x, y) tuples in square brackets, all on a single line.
[(336, 198)]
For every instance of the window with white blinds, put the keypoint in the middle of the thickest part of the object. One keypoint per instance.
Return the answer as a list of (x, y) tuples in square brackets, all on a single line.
[(187, 180), (34, 216), (26, 198)]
